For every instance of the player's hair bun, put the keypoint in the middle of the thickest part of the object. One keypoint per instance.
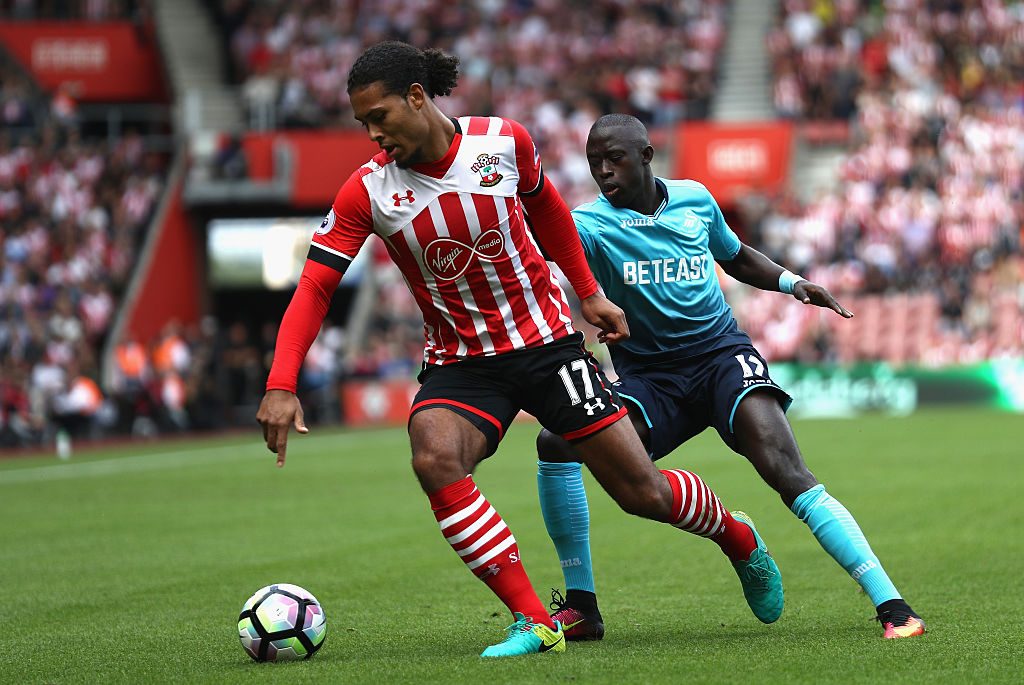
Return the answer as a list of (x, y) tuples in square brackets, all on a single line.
[(442, 72), (398, 65)]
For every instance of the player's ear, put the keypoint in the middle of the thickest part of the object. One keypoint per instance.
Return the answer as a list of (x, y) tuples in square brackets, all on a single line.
[(416, 96), (647, 154)]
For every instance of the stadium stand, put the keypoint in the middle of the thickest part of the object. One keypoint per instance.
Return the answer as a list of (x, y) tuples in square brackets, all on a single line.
[(924, 227), (921, 235), (554, 67), (73, 208)]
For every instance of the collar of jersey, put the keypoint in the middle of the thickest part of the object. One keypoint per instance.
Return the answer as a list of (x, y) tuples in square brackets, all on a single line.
[(664, 199), (439, 168)]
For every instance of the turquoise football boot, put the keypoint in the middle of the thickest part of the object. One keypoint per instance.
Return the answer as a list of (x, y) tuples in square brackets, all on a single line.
[(761, 579), (526, 637)]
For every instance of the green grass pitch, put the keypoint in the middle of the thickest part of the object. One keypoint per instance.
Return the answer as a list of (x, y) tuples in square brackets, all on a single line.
[(131, 564)]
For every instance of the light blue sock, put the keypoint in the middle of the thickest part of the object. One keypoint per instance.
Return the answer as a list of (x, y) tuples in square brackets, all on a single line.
[(563, 502), (841, 537)]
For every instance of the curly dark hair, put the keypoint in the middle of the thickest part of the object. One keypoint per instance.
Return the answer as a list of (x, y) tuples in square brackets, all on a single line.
[(399, 65)]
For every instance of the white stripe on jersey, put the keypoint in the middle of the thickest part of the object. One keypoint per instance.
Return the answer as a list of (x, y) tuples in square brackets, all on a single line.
[(508, 316), (531, 298), (409, 236), (556, 289), (465, 292), (494, 126)]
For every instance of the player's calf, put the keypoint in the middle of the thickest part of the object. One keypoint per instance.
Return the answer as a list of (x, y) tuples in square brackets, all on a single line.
[(698, 510)]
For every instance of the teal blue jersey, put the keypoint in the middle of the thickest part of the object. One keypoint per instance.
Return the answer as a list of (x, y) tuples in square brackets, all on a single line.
[(660, 269)]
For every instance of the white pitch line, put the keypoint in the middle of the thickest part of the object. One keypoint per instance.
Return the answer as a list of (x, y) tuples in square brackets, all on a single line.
[(198, 456)]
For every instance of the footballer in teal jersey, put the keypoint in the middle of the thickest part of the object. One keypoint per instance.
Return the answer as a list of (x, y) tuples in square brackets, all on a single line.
[(652, 244)]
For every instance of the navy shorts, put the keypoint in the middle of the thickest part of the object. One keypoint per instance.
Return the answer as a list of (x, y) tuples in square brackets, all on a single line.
[(680, 398), (560, 383)]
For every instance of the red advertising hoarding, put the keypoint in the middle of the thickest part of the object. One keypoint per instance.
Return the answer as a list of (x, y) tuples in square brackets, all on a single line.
[(731, 159), (384, 403), (323, 160), (372, 403), (100, 61)]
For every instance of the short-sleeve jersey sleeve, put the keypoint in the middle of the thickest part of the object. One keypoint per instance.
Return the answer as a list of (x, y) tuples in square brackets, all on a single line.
[(349, 222), (531, 176), (584, 228), (724, 244)]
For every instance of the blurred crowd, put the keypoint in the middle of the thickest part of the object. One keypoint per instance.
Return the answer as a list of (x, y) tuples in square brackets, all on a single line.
[(553, 66), (930, 201), (824, 52), (72, 212)]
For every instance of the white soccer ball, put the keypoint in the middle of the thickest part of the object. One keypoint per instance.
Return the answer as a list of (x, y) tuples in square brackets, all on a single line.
[(280, 623)]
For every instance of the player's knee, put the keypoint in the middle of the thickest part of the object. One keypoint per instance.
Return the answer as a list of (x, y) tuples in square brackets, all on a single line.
[(554, 448), (436, 467)]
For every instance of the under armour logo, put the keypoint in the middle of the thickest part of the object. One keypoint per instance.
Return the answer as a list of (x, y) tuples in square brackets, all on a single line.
[(492, 570), (591, 407), (399, 199)]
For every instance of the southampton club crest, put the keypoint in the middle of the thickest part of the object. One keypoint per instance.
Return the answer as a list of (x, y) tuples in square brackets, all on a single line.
[(487, 166)]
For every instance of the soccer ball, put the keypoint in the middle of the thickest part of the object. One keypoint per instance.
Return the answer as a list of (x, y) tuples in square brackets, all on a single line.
[(280, 623)]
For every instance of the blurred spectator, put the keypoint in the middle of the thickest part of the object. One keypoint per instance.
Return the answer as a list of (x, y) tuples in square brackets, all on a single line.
[(77, 407), (242, 370)]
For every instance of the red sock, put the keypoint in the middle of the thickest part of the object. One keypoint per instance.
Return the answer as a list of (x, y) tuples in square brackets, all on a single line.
[(478, 534), (696, 509)]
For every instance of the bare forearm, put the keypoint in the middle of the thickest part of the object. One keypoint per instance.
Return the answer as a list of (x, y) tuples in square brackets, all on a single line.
[(754, 268)]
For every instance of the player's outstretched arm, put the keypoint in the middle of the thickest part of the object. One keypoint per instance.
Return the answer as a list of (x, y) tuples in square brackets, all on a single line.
[(280, 408), (753, 268)]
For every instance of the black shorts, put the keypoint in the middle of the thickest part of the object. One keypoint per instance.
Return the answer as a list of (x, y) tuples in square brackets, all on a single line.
[(679, 399), (560, 383)]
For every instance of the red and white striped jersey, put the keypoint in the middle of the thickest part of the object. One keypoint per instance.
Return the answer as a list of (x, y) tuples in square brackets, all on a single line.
[(457, 231)]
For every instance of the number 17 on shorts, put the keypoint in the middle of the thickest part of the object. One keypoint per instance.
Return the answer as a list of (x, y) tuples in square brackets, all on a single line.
[(578, 400)]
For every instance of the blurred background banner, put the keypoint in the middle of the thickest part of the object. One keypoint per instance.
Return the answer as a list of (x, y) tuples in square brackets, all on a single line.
[(318, 160), (113, 61), (733, 160)]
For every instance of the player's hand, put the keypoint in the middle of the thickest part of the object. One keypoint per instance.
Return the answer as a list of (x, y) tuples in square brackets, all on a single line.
[(279, 411), (609, 319), (812, 293)]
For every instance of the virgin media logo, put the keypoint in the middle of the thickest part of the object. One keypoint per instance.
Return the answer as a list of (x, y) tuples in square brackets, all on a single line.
[(448, 258)]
